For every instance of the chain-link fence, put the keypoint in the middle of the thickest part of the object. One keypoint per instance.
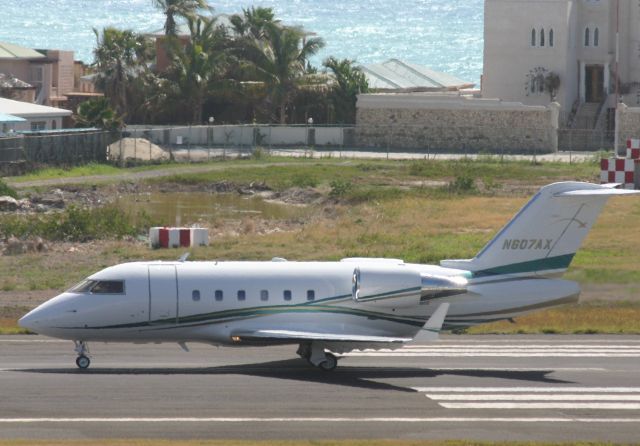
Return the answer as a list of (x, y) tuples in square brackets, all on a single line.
[(64, 147), (138, 144)]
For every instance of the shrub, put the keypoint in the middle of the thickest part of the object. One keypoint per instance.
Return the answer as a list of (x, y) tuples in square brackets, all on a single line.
[(5, 189), (76, 224), (340, 188), (462, 184)]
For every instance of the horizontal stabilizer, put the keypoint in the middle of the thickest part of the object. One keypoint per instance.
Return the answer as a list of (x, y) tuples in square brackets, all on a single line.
[(431, 329), (597, 192), (298, 336)]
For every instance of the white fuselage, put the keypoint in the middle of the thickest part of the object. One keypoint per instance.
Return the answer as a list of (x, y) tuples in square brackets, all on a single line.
[(213, 301)]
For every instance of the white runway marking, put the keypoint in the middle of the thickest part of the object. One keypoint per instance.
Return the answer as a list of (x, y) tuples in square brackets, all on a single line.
[(538, 397), (550, 389), (573, 398), (545, 405), (320, 420), (508, 350)]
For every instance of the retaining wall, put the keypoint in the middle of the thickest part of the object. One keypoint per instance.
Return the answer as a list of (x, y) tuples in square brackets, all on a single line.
[(454, 123), (628, 126)]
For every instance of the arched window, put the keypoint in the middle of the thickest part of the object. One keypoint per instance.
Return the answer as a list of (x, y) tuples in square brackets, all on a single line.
[(586, 36), (551, 37), (541, 36), (596, 36), (533, 37)]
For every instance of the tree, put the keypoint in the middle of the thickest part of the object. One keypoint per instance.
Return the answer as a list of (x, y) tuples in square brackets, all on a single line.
[(198, 65), (280, 61), (349, 81), (121, 57), (186, 9), (253, 22), (541, 80), (98, 113)]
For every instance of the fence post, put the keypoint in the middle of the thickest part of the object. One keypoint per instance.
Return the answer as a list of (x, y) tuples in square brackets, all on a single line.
[(135, 146)]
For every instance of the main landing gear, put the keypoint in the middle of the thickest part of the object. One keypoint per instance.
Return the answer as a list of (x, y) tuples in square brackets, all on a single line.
[(314, 353), (82, 349)]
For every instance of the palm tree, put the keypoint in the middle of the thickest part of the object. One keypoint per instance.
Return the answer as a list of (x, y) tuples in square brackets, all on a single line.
[(98, 113), (349, 81), (173, 9), (280, 61), (120, 57), (197, 66), (253, 21)]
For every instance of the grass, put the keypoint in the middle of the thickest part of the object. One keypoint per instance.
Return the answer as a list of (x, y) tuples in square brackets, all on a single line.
[(340, 173), (75, 224), (378, 209), (367, 442), (588, 318)]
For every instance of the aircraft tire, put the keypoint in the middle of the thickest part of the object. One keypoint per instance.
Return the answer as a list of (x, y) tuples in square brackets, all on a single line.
[(329, 364), (83, 362)]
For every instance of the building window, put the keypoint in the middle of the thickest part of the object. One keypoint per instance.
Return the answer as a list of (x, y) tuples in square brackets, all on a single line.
[(541, 36), (586, 36), (264, 295), (242, 295), (218, 295), (287, 295), (38, 125), (195, 295), (533, 37), (54, 125), (596, 36), (551, 37), (311, 295)]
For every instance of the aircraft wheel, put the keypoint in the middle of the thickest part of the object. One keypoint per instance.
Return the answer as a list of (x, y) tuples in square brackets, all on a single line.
[(329, 364), (83, 362)]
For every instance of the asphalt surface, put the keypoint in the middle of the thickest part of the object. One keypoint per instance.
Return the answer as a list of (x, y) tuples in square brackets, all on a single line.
[(565, 388)]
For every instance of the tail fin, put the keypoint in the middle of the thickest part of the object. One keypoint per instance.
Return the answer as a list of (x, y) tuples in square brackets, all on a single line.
[(545, 234)]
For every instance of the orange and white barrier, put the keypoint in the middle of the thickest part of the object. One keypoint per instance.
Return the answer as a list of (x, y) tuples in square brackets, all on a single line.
[(161, 237), (625, 171)]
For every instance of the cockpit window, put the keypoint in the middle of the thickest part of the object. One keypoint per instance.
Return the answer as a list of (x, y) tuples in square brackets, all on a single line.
[(108, 287), (83, 287), (99, 287)]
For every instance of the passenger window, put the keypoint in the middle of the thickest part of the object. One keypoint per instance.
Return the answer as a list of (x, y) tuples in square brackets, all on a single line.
[(218, 295), (287, 295), (311, 294), (264, 295), (195, 295), (242, 295), (108, 287)]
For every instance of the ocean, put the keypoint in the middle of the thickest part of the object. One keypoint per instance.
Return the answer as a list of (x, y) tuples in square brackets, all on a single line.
[(445, 35)]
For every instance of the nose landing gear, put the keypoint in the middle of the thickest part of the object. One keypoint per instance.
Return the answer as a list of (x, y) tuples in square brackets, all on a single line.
[(314, 354), (82, 349)]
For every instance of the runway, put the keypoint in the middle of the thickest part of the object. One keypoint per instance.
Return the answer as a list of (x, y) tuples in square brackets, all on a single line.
[(563, 388)]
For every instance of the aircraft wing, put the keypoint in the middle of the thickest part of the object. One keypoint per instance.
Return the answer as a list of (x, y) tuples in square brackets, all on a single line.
[(300, 336), (431, 329)]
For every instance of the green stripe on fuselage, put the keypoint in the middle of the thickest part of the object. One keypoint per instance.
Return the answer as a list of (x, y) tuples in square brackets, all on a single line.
[(531, 266)]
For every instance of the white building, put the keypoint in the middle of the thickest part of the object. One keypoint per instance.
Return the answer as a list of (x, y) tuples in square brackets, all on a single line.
[(576, 39), (37, 117)]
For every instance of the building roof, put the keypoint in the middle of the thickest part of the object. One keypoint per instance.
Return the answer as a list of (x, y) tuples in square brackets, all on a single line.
[(5, 118), (397, 75), (11, 51), (10, 81), (27, 110)]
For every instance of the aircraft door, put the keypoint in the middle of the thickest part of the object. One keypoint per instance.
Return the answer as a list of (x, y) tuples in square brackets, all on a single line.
[(163, 293)]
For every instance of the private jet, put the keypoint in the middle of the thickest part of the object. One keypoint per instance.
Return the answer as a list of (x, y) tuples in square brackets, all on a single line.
[(330, 308)]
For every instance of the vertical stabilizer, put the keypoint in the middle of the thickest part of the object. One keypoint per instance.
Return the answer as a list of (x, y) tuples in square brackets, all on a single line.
[(545, 234)]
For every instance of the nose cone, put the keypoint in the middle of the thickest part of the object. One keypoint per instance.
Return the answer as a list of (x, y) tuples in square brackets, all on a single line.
[(32, 320)]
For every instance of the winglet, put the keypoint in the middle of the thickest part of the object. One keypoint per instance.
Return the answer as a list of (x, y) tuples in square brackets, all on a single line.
[(431, 329)]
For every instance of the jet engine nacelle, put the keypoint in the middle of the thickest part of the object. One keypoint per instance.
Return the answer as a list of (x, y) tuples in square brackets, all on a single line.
[(386, 285)]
